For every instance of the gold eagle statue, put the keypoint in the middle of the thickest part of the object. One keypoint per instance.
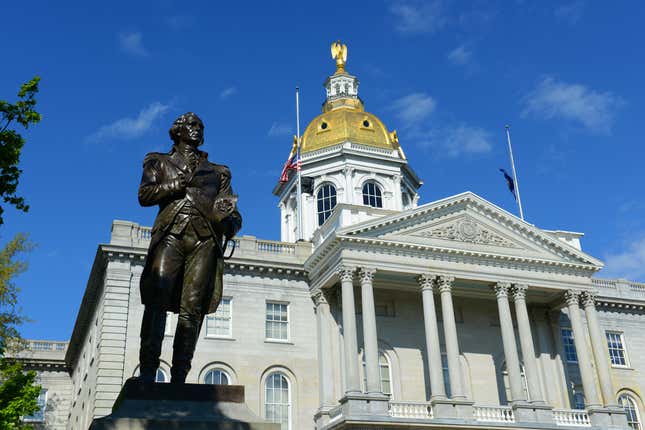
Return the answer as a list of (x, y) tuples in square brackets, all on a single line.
[(339, 53)]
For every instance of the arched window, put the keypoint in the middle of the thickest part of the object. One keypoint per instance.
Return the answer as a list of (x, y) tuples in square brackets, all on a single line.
[(326, 199), (372, 195), (217, 377), (385, 373), (633, 417), (277, 400)]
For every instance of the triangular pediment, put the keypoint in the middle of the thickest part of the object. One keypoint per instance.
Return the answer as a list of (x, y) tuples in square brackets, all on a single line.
[(468, 223)]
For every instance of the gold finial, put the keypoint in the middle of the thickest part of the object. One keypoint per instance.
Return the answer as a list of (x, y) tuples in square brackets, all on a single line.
[(339, 53)]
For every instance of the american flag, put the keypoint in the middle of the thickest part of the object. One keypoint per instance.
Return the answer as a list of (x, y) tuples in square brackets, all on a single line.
[(293, 162)]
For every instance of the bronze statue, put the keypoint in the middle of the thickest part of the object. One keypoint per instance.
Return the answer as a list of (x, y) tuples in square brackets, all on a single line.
[(185, 262)]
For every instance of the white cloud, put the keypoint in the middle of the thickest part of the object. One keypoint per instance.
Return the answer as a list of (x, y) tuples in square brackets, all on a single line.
[(460, 56), (227, 92), (132, 43), (570, 12), (278, 129), (460, 139), (129, 128), (414, 108), (628, 264), (573, 102), (418, 16)]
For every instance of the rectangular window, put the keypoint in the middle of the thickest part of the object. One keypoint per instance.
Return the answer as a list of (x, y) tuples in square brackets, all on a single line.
[(220, 324), (616, 345), (277, 321), (569, 346), (39, 415)]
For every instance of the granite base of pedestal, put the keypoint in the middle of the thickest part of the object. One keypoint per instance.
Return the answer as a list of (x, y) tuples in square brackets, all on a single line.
[(156, 406)]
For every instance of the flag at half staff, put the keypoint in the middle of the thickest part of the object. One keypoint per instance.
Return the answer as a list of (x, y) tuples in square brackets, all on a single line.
[(509, 182), (293, 162)]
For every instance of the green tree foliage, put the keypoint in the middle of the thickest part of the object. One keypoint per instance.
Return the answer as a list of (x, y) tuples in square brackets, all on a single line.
[(11, 266), (18, 395), (11, 142)]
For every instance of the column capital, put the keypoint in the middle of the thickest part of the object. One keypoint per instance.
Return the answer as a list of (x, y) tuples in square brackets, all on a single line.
[(445, 283), (572, 297), (519, 291), (588, 299), (366, 274), (346, 273), (319, 298), (426, 281), (501, 289)]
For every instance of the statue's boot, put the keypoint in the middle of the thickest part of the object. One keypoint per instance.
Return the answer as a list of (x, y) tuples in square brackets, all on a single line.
[(153, 325), (186, 335)]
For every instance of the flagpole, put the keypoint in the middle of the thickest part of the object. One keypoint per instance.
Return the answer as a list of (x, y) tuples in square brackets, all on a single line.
[(299, 189), (517, 184)]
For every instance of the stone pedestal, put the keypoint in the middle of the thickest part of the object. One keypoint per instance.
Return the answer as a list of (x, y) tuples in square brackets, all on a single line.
[(156, 406), (452, 408), (608, 418), (527, 412)]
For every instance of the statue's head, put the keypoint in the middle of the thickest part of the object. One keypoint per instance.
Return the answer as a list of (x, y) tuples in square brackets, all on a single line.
[(188, 128)]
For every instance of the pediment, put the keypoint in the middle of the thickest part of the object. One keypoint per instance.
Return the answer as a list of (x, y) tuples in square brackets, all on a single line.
[(467, 222)]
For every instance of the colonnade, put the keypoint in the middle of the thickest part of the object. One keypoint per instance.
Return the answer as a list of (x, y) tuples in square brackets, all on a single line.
[(443, 284)]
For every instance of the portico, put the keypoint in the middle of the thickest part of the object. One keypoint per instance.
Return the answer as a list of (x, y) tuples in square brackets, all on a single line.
[(408, 258)]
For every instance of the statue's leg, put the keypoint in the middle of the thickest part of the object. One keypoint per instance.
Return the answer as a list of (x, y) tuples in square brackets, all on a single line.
[(152, 333), (167, 270), (198, 285)]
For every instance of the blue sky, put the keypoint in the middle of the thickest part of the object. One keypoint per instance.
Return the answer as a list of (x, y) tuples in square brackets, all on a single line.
[(448, 75)]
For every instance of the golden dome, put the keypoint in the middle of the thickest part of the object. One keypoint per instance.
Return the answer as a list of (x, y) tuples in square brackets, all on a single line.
[(345, 124)]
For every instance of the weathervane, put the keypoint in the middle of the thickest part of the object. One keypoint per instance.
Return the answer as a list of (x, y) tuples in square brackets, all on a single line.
[(339, 53)]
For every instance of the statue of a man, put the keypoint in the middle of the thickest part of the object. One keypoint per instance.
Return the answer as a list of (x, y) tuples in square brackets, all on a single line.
[(184, 266)]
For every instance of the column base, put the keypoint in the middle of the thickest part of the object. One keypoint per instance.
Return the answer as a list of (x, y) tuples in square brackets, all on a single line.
[(532, 412), (452, 408), (365, 404), (608, 417)]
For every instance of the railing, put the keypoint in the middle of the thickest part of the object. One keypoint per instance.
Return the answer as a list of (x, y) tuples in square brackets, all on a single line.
[(274, 247), (46, 345), (420, 410), (571, 417), (497, 414), (604, 283), (637, 287)]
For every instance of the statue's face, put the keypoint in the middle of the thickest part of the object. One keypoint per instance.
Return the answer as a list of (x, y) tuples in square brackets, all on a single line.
[(192, 131)]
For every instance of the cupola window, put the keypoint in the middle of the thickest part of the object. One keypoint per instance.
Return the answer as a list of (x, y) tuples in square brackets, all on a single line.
[(323, 125), (372, 195), (326, 199)]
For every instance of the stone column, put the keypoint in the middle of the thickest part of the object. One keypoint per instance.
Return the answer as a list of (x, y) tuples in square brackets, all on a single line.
[(370, 339), (600, 350), (579, 338), (325, 369), (526, 343), (437, 388), (450, 334), (508, 341), (352, 382)]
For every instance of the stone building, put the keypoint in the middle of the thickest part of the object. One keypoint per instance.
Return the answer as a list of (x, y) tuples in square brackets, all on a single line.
[(388, 314)]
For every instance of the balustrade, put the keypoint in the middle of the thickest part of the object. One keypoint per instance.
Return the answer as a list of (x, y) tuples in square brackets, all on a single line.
[(419, 410), (571, 417), (496, 414)]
